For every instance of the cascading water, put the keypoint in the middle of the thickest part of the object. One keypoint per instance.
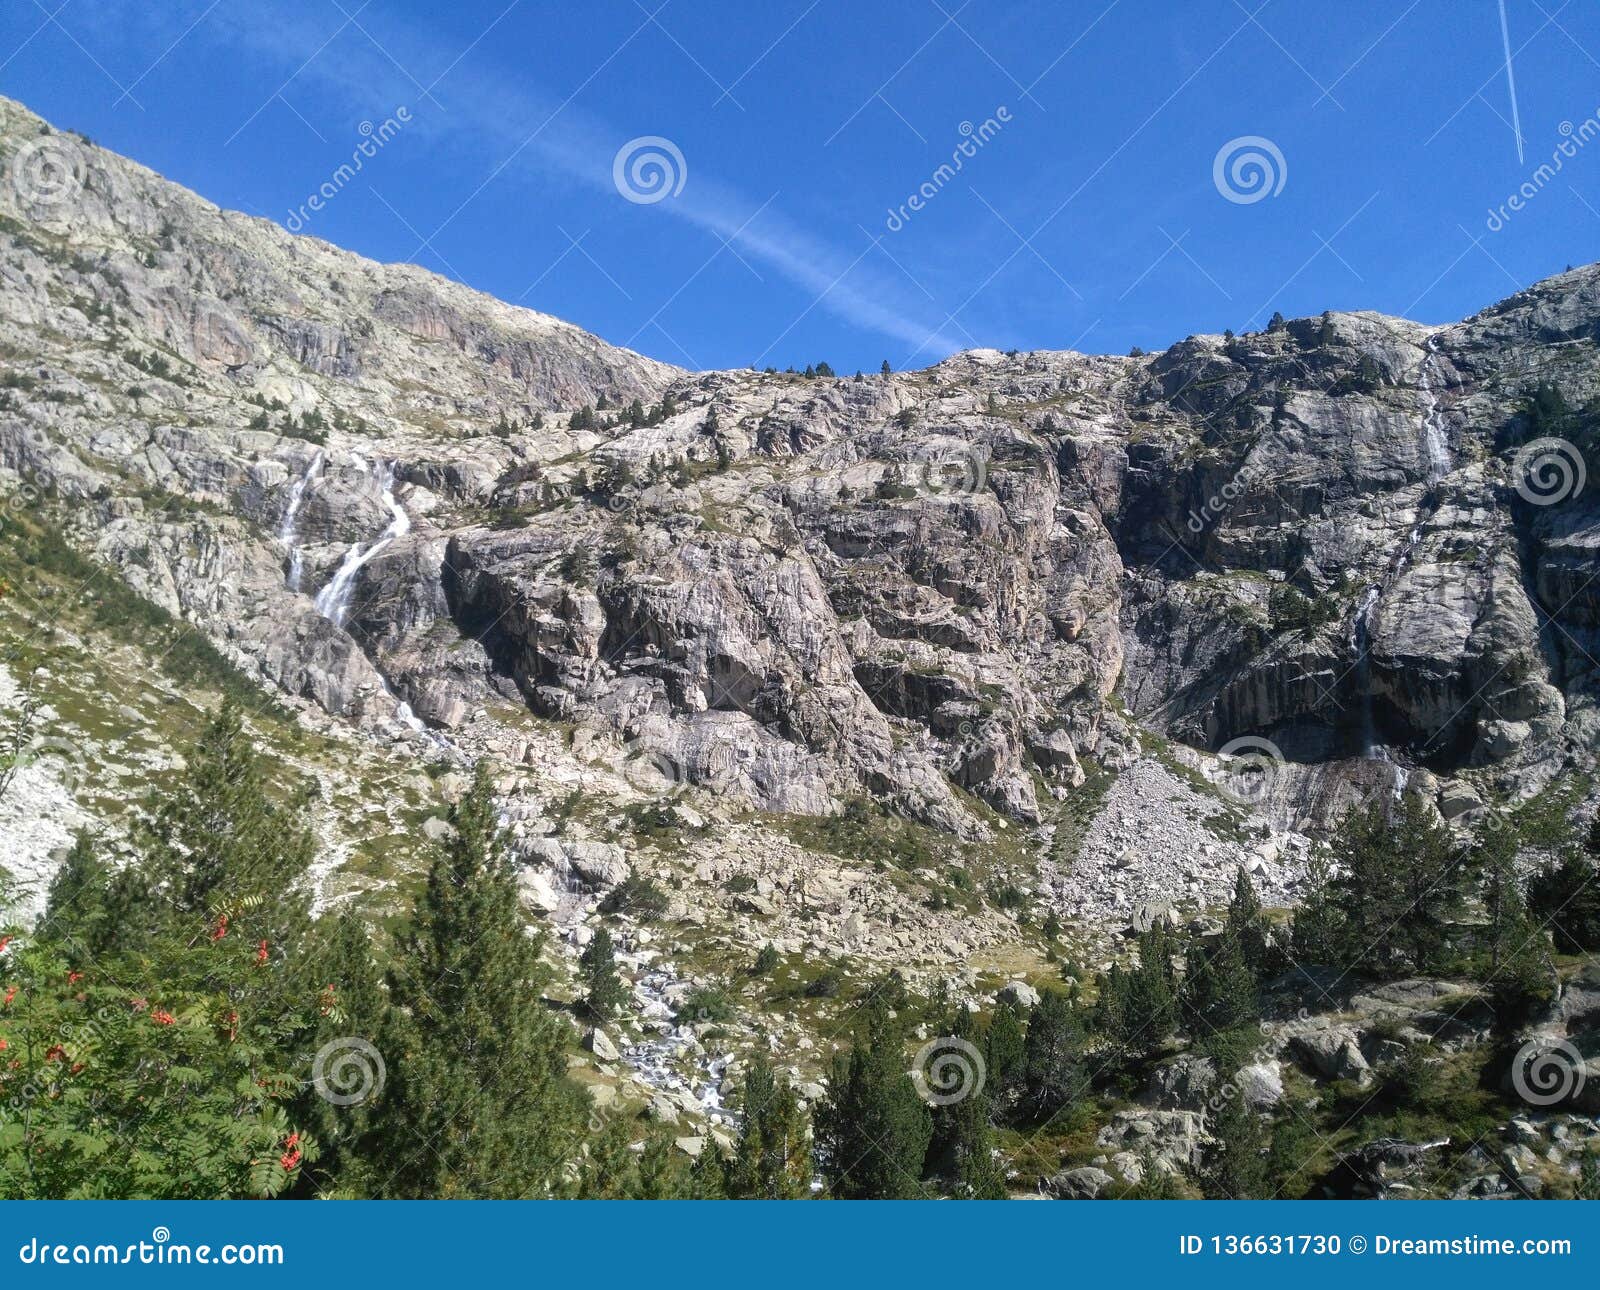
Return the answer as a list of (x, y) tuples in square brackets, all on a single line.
[(291, 516), (1435, 445), (1360, 646), (333, 601)]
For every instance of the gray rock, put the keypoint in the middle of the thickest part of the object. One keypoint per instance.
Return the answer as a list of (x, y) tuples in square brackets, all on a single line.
[(1018, 992), (1076, 1184), (599, 1043)]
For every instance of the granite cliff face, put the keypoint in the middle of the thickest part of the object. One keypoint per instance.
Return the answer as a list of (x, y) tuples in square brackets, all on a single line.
[(949, 590)]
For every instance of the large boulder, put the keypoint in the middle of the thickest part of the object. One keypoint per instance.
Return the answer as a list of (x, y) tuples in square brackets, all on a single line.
[(1076, 1184), (1331, 1052)]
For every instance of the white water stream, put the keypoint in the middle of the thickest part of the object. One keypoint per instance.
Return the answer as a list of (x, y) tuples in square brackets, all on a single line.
[(333, 601), (291, 515)]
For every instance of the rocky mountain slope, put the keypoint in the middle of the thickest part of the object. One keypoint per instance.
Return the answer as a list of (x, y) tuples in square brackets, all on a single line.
[(950, 595)]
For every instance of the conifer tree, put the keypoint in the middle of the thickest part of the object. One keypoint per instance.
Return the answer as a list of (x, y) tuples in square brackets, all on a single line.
[(961, 1147), (1054, 1078), (872, 1129), (1003, 1049), (352, 1005), (770, 1160), (219, 843), (478, 1102), (1567, 896), (1246, 926), (77, 912), (1399, 885), (1220, 997), (1235, 1165), (604, 991)]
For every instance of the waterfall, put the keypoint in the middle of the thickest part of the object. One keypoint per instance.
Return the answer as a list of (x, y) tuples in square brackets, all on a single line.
[(291, 515), (1435, 445), (1360, 646), (334, 600)]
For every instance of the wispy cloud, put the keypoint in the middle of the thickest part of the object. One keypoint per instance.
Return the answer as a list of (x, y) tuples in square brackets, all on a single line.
[(462, 107)]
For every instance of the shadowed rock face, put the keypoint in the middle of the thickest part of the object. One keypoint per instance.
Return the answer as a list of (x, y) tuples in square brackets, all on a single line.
[(922, 587)]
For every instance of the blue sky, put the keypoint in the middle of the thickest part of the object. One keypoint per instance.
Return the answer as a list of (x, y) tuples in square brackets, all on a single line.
[(1089, 214)]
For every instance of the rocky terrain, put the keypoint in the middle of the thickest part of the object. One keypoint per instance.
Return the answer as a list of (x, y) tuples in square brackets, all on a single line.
[(879, 669)]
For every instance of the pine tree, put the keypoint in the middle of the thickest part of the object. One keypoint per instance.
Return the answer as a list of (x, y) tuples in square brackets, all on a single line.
[(1246, 926), (478, 1101), (1153, 988), (218, 842), (77, 912), (1567, 896), (1294, 1143), (885, 369), (1220, 997), (604, 991), (961, 1147), (1054, 1078), (1235, 1164), (770, 1160), (872, 1129), (1004, 1048), (1399, 886), (351, 1006)]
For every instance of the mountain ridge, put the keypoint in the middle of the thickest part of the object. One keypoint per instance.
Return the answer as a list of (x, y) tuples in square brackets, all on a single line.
[(957, 593)]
